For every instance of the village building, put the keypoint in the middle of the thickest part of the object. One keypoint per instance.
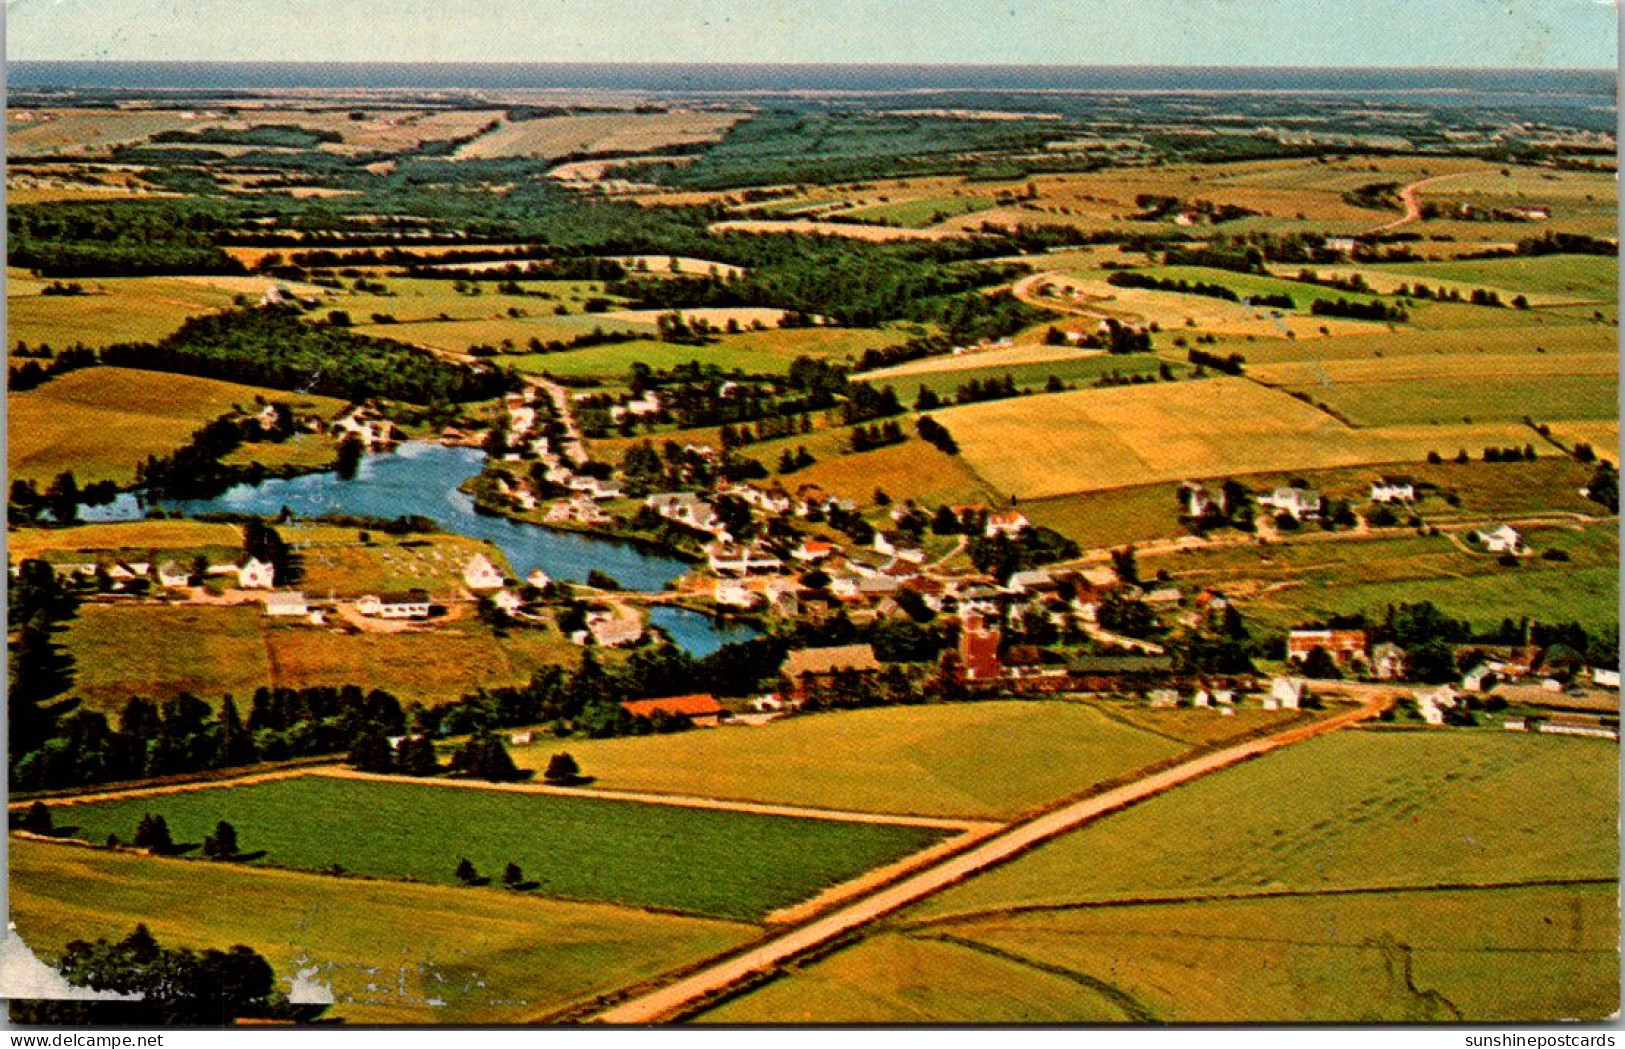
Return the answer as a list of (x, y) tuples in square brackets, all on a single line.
[(481, 574), (700, 709), (1007, 523), (979, 650), (609, 629), (812, 550), (1604, 677), (1199, 501), (174, 575), (1479, 679), (1287, 693), (407, 604), (254, 574), (783, 597), (1502, 540), (1388, 662), (728, 559), (731, 593), (806, 670), (1393, 490), (1341, 645), (286, 603), (507, 601), (539, 579), (1303, 504), (578, 510), (899, 545), (1163, 698)]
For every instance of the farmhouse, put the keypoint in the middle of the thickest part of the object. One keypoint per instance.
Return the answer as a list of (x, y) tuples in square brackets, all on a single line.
[(1008, 523), (806, 670), (899, 545), (1303, 504), (285, 603), (1604, 677), (481, 574), (979, 649), (1502, 540), (578, 509), (1199, 500), (812, 550), (700, 709), (174, 574), (1393, 490), (727, 559), (409, 604), (254, 574), (507, 601), (1287, 693), (1341, 645)]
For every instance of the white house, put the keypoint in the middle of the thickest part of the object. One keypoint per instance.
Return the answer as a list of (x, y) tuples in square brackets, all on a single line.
[(578, 509), (900, 546), (1008, 523), (539, 579), (1302, 503), (1164, 698), (507, 600), (731, 593), (174, 574), (1287, 693), (1393, 490), (412, 604), (1604, 677), (1198, 500), (1479, 679), (481, 574), (727, 559), (254, 574), (1503, 540), (286, 603), (1346, 245)]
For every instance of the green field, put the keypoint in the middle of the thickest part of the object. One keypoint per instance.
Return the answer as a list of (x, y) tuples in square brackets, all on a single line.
[(922, 211), (391, 952), (100, 422), (724, 864), (1076, 371), (1355, 810), (130, 650), (1285, 584), (1580, 278), (1470, 398), (1364, 877), (927, 760)]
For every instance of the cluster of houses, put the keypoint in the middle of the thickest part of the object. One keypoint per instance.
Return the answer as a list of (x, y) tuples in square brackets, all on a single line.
[(249, 573), (1297, 501), (561, 456)]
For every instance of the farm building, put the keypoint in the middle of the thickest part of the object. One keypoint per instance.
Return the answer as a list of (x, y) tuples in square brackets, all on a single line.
[(539, 579), (1287, 693), (1604, 677), (481, 574), (1341, 645), (1303, 504), (1393, 490), (807, 670), (900, 546), (254, 574), (1502, 540), (979, 649), (609, 629), (731, 593), (174, 574), (409, 604), (1388, 662), (812, 550), (700, 709), (727, 559), (1199, 500), (286, 603), (507, 601), (1008, 523)]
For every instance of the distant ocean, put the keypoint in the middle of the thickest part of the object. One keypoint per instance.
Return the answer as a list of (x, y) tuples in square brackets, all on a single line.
[(1479, 86)]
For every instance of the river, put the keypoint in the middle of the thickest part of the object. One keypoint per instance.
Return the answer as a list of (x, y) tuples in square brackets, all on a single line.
[(423, 479)]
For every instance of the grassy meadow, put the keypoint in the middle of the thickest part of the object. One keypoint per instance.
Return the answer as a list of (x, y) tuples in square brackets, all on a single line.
[(722, 864)]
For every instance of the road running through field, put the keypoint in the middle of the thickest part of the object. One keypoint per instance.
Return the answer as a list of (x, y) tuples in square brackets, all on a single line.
[(669, 1001)]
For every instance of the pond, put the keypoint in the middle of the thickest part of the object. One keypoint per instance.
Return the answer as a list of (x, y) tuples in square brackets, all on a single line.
[(422, 479)]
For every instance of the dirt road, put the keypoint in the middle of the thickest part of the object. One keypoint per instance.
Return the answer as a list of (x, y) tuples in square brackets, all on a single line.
[(1413, 206), (671, 1000)]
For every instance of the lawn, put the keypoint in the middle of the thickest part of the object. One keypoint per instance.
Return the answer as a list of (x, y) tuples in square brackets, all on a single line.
[(335, 561), (1355, 810), (1085, 440), (723, 864), (100, 422), (392, 953), (926, 760)]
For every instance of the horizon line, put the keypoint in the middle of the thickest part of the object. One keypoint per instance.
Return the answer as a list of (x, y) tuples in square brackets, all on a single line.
[(662, 63)]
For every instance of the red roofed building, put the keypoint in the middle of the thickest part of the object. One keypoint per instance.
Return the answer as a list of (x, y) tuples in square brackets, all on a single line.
[(1341, 645), (701, 708), (979, 650)]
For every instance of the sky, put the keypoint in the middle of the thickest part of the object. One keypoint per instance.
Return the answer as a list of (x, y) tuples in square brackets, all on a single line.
[(1551, 34)]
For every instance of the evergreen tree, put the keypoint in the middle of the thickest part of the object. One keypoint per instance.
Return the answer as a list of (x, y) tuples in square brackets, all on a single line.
[(236, 746), (372, 753), (153, 833), (222, 844), (512, 875), (562, 768), (466, 872)]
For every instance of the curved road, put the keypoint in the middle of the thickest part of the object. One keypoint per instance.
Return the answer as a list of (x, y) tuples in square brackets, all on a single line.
[(1413, 206), (666, 1002)]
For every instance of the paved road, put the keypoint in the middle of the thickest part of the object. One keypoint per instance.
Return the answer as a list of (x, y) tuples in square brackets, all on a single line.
[(671, 1000)]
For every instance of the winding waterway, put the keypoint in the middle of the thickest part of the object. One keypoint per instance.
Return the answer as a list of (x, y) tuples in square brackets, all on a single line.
[(423, 480)]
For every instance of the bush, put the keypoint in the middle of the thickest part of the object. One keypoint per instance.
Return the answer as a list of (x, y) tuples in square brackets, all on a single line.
[(562, 769)]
